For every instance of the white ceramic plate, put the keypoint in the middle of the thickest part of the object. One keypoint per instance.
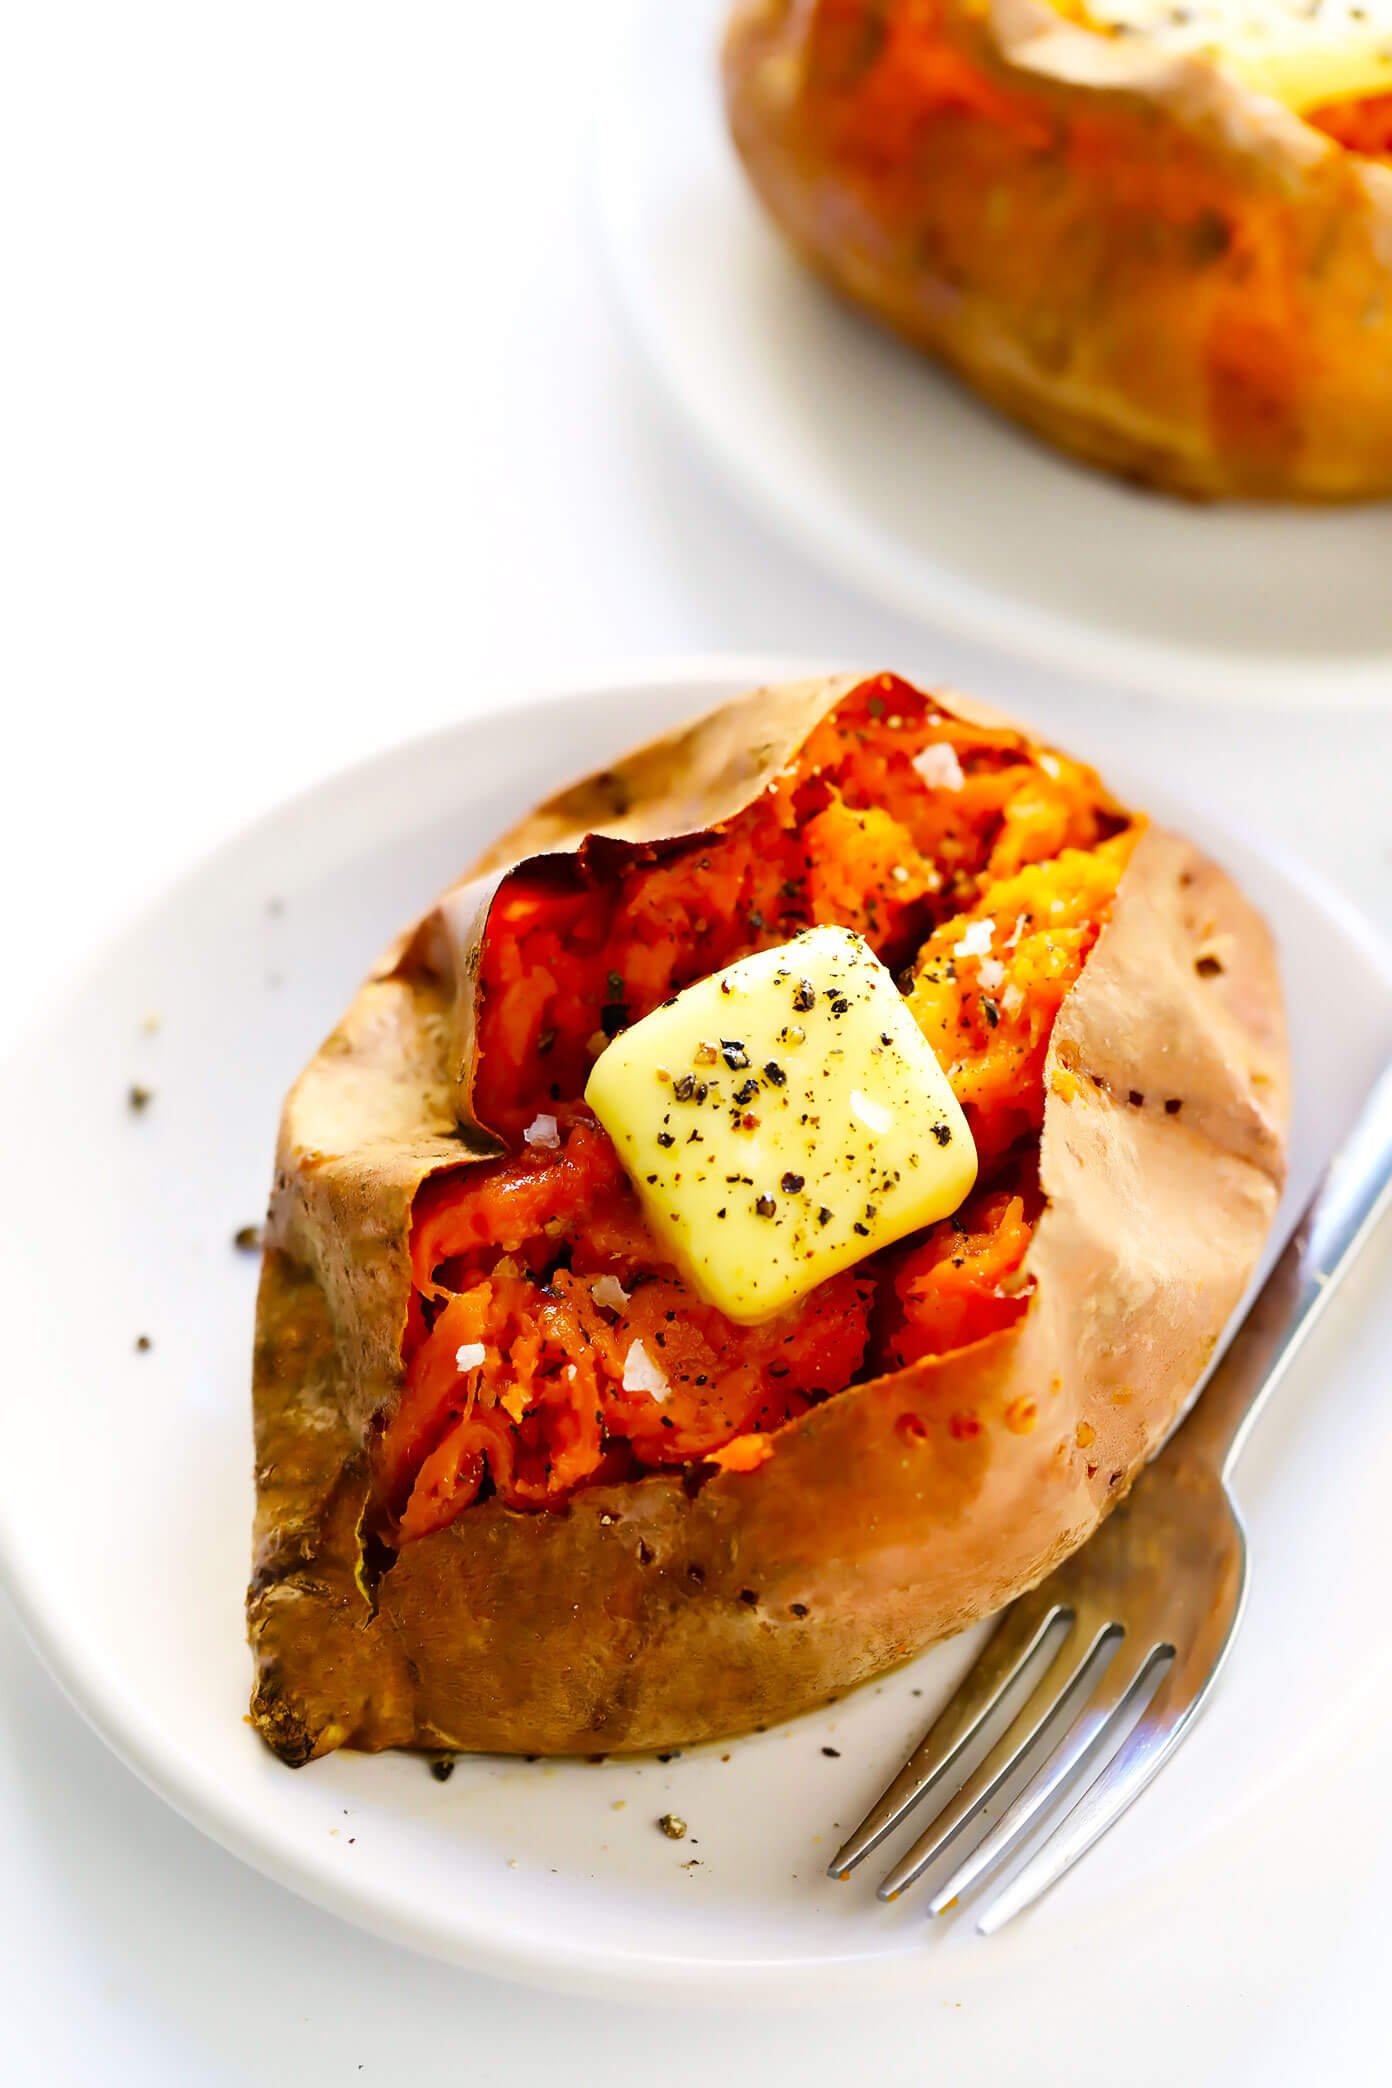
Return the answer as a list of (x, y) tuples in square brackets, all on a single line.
[(125, 1492), (898, 479)]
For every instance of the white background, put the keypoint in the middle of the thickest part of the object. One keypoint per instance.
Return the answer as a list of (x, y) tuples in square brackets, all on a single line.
[(317, 428)]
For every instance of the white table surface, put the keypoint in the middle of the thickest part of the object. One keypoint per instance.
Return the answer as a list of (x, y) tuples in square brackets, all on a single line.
[(317, 428)]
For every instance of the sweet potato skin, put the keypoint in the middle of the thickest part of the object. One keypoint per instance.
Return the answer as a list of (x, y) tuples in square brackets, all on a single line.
[(659, 1612), (1146, 263)]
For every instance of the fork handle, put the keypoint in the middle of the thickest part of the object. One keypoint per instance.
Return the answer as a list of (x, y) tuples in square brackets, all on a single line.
[(1353, 1193)]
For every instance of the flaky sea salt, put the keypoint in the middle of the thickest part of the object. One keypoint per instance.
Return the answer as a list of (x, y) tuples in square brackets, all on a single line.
[(641, 1374), (939, 767), (977, 940)]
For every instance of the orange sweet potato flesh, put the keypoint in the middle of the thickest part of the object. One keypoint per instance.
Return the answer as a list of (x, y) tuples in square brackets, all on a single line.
[(534, 1574), (539, 1268), (1134, 254), (1363, 125)]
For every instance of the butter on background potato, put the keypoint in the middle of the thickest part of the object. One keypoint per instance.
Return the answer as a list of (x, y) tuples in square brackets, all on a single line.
[(1301, 52), (781, 1120)]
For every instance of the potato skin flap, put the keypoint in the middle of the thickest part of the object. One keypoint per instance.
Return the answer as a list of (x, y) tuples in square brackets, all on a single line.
[(655, 1585)]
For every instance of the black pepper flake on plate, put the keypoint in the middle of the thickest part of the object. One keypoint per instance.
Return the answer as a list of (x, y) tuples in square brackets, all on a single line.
[(834, 1752), (247, 1239), (765, 1206), (139, 1098), (774, 1072), (943, 1134), (798, 1609), (841, 1006), (665, 1138), (824, 1216), (143, 1344), (863, 1230), (1173, 1106), (613, 1017), (734, 1054), (792, 1183), (442, 1768), (804, 996), (747, 1092), (749, 1598)]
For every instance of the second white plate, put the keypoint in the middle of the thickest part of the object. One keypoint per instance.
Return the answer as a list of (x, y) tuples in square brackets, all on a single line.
[(898, 479)]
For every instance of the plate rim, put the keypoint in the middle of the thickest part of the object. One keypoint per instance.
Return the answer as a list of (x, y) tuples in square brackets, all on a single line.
[(960, 606), (114, 1712)]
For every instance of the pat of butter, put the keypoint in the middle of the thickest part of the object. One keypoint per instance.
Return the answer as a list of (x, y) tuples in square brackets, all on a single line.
[(783, 1119), (1301, 52)]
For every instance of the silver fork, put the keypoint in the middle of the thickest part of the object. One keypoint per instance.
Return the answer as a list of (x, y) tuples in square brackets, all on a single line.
[(1143, 1615)]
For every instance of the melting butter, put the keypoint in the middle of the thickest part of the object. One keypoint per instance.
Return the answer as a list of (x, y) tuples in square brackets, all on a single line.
[(781, 1120)]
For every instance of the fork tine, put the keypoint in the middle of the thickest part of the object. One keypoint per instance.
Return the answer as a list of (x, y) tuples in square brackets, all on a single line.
[(1012, 1648), (1040, 1713), (1141, 1756), (1126, 1674)]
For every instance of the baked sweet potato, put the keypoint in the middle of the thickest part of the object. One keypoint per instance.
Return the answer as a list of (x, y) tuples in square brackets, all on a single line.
[(1130, 249), (473, 1531)]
